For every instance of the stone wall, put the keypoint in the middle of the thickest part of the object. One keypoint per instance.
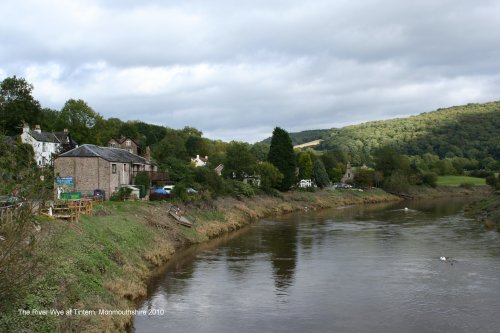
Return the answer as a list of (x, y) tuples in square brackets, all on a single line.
[(90, 173)]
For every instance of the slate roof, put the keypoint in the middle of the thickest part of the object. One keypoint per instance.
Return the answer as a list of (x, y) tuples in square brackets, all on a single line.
[(106, 153), (57, 137)]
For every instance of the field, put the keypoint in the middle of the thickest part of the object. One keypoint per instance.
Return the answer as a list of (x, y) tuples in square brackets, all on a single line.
[(458, 180)]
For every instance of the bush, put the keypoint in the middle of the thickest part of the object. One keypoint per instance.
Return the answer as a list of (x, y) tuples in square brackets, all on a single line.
[(429, 178), (397, 182), (493, 181), (466, 185), (481, 173), (239, 188), (155, 196), (122, 194)]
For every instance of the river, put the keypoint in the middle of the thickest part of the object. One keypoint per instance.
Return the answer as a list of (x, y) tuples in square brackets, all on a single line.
[(373, 268)]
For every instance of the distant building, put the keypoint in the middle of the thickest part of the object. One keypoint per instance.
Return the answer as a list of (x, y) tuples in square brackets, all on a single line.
[(350, 172), (91, 167), (199, 161), (125, 143), (218, 169), (46, 144), (304, 183)]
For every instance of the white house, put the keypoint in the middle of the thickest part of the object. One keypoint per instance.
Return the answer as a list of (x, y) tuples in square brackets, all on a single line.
[(45, 144), (305, 183), (199, 161)]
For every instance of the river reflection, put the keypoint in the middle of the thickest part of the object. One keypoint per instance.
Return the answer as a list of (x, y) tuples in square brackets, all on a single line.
[(371, 268)]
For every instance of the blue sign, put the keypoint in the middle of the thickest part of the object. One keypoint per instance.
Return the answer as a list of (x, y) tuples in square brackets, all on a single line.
[(65, 180)]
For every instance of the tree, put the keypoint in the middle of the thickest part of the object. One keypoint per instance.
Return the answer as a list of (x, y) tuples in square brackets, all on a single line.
[(305, 165), (17, 105), (270, 176), (319, 174), (79, 118), (239, 160), (364, 177), (281, 155)]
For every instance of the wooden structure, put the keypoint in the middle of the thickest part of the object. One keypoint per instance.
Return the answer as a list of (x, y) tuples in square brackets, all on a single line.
[(72, 209), (177, 214)]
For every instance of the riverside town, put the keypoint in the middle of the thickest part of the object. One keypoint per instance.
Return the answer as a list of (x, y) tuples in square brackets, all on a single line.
[(261, 167)]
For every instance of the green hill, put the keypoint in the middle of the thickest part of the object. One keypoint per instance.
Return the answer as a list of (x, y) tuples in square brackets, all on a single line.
[(471, 131)]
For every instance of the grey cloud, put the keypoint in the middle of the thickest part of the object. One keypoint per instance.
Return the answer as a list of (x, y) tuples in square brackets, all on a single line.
[(237, 69)]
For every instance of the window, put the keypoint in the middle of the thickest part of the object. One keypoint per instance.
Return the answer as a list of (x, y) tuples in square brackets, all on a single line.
[(44, 147), (113, 168), (128, 143), (124, 168)]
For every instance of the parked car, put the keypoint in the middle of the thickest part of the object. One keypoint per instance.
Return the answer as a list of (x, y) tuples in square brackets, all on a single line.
[(169, 187), (160, 191), (342, 185)]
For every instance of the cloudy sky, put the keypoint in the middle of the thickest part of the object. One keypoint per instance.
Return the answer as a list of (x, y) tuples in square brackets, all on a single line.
[(237, 69)]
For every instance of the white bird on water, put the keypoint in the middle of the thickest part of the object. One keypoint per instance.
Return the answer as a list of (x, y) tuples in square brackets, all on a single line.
[(447, 260)]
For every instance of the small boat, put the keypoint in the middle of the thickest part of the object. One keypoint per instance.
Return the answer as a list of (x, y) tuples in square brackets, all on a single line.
[(176, 213)]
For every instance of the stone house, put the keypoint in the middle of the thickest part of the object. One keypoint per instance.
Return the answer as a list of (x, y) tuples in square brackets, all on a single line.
[(350, 172), (45, 144), (92, 167), (125, 143)]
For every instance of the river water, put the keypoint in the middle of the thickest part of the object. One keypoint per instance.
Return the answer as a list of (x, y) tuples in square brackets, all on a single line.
[(369, 268)]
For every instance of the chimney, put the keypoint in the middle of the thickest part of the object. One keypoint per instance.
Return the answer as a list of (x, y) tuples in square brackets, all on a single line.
[(148, 154), (206, 158), (65, 130), (26, 128), (38, 129), (197, 157)]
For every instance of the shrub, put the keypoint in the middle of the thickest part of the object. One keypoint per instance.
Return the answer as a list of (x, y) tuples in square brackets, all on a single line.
[(122, 194), (429, 178)]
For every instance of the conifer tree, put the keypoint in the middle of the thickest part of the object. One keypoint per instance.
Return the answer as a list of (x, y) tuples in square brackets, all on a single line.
[(281, 155), (319, 174)]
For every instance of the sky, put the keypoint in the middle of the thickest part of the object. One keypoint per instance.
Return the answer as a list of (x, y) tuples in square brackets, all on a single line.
[(237, 69)]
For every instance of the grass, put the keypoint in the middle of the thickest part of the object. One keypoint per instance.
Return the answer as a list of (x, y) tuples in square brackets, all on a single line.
[(459, 180)]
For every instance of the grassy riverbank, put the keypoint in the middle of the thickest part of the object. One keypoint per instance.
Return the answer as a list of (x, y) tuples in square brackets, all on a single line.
[(486, 211), (104, 261)]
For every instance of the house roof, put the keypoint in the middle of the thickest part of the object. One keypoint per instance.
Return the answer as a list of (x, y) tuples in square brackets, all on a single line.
[(57, 137), (106, 153), (123, 139)]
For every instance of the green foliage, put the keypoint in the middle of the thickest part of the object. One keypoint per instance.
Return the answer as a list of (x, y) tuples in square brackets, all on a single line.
[(281, 155), (468, 131), (303, 137), (17, 105), (305, 165), (209, 181), (122, 194), (260, 151), (142, 178), (493, 181), (270, 176), (239, 188), (429, 178), (319, 174), (364, 177), (80, 119), (397, 182), (239, 160)]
